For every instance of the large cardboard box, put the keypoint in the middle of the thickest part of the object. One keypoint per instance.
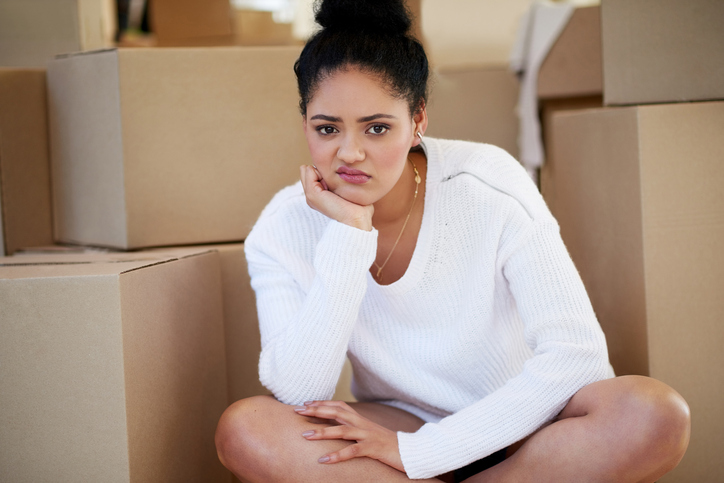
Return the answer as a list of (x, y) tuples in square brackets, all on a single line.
[(112, 367), (573, 66), (662, 50), (191, 22), (241, 326), (255, 27), (639, 201), (33, 31), (159, 147), (25, 213), (475, 103)]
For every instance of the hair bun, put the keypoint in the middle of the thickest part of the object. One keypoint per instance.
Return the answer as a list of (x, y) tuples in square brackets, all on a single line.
[(389, 16)]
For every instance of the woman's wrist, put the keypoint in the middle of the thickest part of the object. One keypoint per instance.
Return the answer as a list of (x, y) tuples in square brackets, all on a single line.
[(362, 223)]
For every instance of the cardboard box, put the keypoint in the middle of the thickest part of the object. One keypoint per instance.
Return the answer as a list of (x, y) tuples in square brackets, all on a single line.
[(25, 213), (254, 27), (177, 23), (662, 50), (113, 367), (33, 31), (548, 109), (475, 103), (241, 326), (160, 147), (640, 207), (573, 66)]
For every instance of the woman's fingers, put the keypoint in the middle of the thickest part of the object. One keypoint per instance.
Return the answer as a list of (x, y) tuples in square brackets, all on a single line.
[(347, 453), (334, 410), (347, 433), (320, 198), (372, 440)]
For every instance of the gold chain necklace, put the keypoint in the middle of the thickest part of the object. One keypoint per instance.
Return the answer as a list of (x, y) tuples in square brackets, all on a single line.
[(414, 198)]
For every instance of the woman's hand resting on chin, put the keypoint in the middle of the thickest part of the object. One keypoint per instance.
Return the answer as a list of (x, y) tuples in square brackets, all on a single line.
[(332, 205), (372, 440)]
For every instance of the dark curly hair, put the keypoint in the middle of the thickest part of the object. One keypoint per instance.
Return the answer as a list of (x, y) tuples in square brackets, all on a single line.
[(372, 35)]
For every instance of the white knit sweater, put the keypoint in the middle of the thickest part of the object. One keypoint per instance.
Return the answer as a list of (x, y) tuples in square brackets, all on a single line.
[(486, 336)]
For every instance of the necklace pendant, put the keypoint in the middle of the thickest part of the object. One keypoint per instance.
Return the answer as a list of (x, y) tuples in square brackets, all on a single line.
[(379, 273)]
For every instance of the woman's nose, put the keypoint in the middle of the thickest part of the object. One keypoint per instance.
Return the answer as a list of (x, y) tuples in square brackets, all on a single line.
[(351, 150)]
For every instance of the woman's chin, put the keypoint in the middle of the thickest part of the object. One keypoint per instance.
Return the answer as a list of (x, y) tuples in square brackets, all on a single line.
[(354, 195)]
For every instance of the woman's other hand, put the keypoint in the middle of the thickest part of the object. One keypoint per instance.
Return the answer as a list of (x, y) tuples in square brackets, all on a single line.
[(372, 440), (332, 205)]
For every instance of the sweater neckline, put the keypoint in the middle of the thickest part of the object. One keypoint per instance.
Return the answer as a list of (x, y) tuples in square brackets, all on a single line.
[(419, 256)]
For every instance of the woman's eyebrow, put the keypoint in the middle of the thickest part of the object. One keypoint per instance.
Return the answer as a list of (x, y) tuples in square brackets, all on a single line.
[(376, 116), (326, 118)]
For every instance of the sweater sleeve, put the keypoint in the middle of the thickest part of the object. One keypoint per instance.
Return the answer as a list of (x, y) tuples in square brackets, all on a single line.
[(569, 353), (305, 330)]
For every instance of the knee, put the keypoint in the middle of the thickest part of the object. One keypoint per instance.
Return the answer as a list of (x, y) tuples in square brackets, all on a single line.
[(238, 429), (662, 417)]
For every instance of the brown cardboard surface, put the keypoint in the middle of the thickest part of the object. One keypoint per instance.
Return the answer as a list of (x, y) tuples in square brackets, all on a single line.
[(24, 165), (191, 22), (173, 344), (573, 66), (86, 149), (662, 51), (241, 326), (112, 370), (475, 103), (415, 8), (254, 27), (640, 208), (243, 343), (33, 31), (157, 147), (549, 170), (683, 212), (597, 203)]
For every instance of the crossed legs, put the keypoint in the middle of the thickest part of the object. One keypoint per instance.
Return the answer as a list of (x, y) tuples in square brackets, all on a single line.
[(627, 429)]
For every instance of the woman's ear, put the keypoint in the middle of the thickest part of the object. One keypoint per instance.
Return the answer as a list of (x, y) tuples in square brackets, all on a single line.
[(420, 121)]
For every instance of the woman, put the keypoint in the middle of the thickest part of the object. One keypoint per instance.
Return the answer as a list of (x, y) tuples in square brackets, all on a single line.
[(436, 266)]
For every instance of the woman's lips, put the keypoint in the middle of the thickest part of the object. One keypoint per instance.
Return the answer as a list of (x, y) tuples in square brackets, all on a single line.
[(354, 176)]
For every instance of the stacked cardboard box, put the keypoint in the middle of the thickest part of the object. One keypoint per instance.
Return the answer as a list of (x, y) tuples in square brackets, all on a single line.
[(254, 27), (113, 367), (150, 147), (33, 31), (637, 193), (475, 103), (25, 214), (187, 23), (569, 78), (158, 147)]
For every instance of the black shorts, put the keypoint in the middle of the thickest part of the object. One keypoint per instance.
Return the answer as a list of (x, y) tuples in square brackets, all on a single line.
[(478, 466)]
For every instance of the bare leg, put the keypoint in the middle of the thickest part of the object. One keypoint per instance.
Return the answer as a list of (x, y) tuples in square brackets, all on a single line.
[(260, 439), (627, 429)]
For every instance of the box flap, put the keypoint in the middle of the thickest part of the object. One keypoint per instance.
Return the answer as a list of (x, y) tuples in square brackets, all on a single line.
[(37, 265)]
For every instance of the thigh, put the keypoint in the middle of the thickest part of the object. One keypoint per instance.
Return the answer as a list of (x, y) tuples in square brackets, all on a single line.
[(260, 439)]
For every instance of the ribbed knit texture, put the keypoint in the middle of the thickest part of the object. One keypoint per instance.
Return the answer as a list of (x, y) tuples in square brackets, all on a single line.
[(486, 336)]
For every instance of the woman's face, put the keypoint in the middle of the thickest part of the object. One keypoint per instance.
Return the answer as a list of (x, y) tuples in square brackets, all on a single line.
[(359, 135)]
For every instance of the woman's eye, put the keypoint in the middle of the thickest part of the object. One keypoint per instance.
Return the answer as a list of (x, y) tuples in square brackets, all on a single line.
[(378, 129), (326, 130)]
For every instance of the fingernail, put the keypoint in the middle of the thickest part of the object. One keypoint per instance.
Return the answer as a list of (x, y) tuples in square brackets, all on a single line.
[(300, 408), (308, 403), (323, 459), (307, 434)]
